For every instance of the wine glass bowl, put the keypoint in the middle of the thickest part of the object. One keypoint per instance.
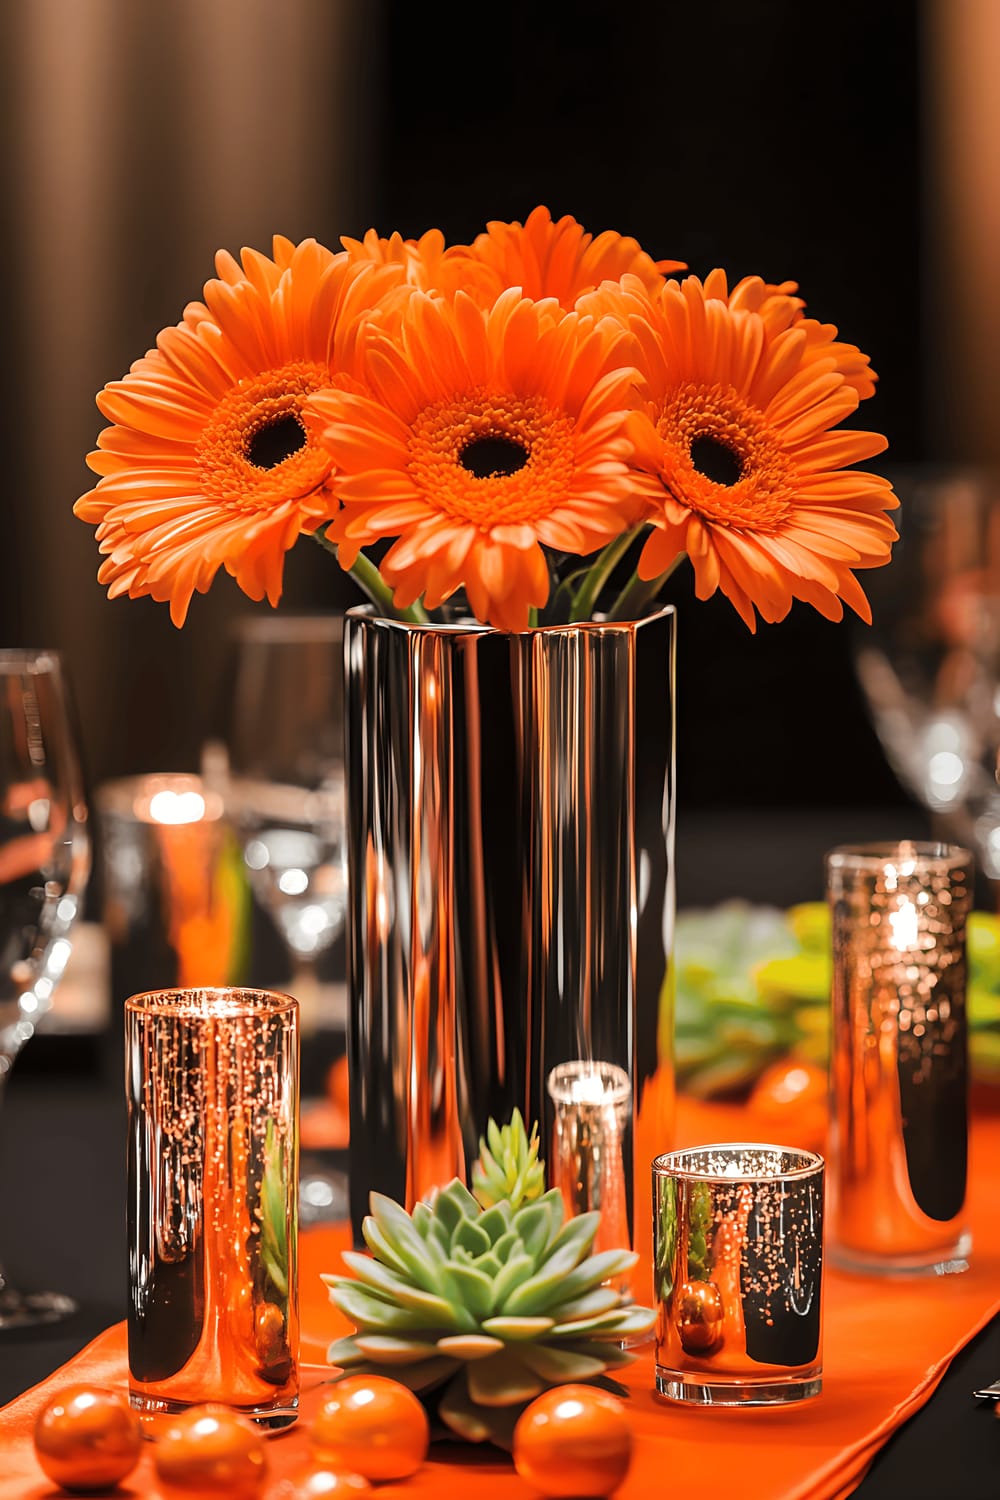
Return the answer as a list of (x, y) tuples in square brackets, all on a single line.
[(44, 870), (929, 664), (286, 782), (295, 854)]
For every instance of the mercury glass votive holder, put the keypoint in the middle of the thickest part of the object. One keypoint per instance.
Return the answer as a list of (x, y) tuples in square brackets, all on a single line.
[(213, 1103), (591, 1111), (738, 1274), (899, 1057)]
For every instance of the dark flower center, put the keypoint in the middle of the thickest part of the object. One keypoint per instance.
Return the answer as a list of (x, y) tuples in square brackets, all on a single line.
[(491, 457), (271, 444), (715, 460)]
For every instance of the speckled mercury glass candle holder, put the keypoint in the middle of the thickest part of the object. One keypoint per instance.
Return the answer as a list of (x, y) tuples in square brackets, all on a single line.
[(738, 1270), (212, 1086), (899, 1057)]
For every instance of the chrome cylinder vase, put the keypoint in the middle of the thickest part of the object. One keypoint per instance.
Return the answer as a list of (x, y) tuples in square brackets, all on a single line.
[(510, 837)]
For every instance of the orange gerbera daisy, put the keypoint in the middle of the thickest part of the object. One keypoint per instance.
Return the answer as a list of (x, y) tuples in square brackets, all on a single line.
[(208, 463), (746, 476), (547, 258), (481, 436), (426, 263)]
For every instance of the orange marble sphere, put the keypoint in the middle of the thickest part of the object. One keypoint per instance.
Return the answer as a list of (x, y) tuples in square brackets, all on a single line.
[(87, 1438), (318, 1482), (573, 1440), (372, 1425), (209, 1452)]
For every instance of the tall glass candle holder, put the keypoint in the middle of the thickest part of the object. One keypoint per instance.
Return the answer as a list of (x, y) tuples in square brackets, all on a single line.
[(899, 1057), (212, 1086)]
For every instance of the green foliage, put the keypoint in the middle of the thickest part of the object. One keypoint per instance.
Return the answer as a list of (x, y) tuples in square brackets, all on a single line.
[(752, 984), (273, 1198)]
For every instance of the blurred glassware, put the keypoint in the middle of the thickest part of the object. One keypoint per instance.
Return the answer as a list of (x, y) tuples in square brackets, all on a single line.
[(929, 665), (175, 895), (44, 869), (283, 772), (286, 785)]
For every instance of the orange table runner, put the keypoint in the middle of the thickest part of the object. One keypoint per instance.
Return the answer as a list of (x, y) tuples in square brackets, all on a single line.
[(886, 1345)]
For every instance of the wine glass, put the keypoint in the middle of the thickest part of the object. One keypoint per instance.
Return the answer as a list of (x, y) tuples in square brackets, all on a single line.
[(929, 665), (44, 869), (287, 795)]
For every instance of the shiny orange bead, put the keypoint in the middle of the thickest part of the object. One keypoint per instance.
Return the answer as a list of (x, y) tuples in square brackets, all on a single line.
[(209, 1452), (87, 1438), (573, 1440), (372, 1425), (318, 1483), (700, 1316)]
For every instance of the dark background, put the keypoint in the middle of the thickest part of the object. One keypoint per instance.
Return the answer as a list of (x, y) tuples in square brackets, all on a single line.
[(760, 135)]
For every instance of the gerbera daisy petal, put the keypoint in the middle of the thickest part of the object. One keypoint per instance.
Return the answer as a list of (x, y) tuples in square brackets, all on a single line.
[(549, 258), (211, 461)]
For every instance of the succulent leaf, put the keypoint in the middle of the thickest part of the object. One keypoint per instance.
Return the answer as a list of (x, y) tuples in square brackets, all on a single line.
[(419, 1378), (538, 1291), (454, 1203), (579, 1234), (469, 1346), (601, 1267), (494, 1223), (534, 1225), (395, 1288), (601, 1299), (557, 1365), (517, 1270), (391, 1351), (382, 1247), (475, 1289), (395, 1222), (476, 1424), (502, 1380), (471, 1237), (344, 1352), (516, 1329)]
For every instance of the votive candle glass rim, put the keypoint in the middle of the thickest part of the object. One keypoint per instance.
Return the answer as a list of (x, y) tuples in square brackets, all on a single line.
[(212, 1002), (676, 1164), (928, 854)]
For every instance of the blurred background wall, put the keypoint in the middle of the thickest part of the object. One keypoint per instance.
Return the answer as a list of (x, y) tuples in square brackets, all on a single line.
[(813, 143)]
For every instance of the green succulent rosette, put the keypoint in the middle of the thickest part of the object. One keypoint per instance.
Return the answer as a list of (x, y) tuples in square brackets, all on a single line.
[(480, 1309), (508, 1168)]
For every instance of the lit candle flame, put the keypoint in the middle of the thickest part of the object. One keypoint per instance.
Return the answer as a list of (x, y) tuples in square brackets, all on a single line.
[(903, 922)]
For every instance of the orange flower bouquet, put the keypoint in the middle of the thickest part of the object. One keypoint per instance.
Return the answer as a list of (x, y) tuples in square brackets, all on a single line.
[(528, 431), (531, 429)]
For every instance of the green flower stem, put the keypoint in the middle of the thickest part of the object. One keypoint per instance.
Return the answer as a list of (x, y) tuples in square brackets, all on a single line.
[(639, 593), (370, 581), (597, 576)]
